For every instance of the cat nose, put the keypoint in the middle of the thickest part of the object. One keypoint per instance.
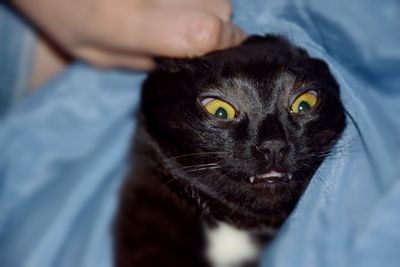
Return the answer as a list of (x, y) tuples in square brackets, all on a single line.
[(273, 150)]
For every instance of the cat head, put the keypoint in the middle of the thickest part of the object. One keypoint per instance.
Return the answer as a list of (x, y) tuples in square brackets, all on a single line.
[(246, 127)]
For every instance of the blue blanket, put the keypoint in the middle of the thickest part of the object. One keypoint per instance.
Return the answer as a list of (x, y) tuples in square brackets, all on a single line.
[(63, 150)]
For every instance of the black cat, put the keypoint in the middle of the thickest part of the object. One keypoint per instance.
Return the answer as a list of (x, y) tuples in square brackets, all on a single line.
[(226, 145)]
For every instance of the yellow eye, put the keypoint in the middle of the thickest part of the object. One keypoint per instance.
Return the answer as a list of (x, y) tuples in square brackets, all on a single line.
[(304, 102), (219, 108)]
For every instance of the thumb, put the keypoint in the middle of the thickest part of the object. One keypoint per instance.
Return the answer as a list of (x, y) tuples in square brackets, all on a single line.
[(174, 32)]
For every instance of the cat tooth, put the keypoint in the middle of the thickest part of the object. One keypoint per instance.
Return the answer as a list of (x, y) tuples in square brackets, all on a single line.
[(252, 178), (273, 174), (290, 176)]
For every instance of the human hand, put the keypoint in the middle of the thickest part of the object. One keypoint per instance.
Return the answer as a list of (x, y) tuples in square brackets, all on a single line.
[(129, 33)]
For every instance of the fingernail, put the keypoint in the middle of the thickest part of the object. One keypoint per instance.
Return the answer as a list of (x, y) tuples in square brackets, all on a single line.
[(232, 35)]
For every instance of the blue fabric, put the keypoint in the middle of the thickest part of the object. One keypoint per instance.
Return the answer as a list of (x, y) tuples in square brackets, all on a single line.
[(16, 46), (64, 149)]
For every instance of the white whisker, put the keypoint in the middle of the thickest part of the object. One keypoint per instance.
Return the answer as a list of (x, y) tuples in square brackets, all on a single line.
[(197, 154), (199, 165), (206, 168)]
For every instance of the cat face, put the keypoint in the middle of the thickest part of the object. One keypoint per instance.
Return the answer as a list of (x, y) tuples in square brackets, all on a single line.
[(246, 127)]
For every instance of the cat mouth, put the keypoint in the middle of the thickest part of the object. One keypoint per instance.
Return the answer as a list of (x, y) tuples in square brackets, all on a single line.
[(271, 177)]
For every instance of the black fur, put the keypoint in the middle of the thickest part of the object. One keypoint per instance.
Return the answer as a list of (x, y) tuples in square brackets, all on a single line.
[(171, 190)]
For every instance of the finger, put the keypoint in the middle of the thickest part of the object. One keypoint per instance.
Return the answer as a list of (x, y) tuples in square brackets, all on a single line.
[(172, 32), (220, 8), (108, 59)]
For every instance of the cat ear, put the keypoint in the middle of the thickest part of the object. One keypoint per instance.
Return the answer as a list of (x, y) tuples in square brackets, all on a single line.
[(173, 65), (253, 39), (275, 40), (269, 39)]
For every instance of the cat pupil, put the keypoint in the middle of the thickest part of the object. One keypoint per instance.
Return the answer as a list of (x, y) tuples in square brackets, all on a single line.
[(221, 113), (304, 106)]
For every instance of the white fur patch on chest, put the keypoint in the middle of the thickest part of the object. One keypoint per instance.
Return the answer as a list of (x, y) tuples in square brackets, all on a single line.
[(228, 246)]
